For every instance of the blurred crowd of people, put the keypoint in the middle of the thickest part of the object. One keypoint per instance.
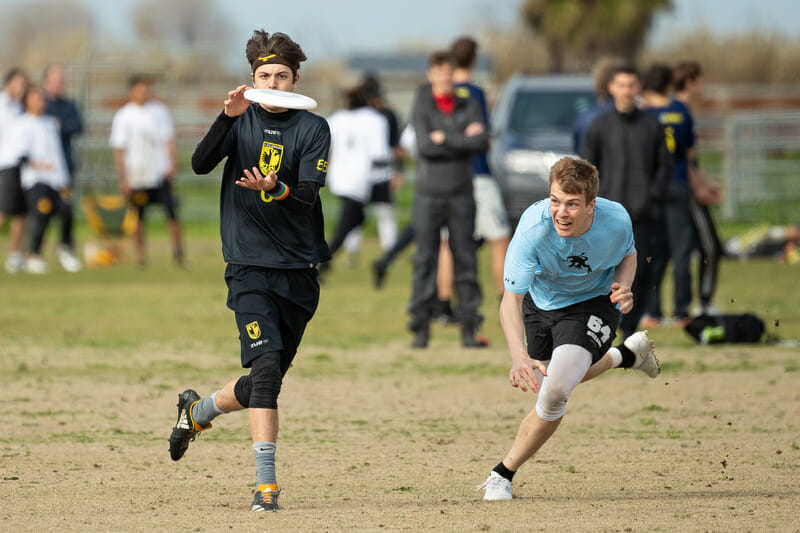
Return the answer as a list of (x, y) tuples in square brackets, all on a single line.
[(37, 165)]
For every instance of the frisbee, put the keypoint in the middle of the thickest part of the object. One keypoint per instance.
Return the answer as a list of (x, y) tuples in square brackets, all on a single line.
[(280, 99)]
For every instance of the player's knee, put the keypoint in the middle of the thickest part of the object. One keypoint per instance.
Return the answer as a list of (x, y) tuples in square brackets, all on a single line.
[(242, 391), (552, 402), (265, 375)]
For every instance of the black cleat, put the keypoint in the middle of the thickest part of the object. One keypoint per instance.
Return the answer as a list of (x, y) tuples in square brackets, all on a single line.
[(185, 429), (421, 337), (469, 340), (266, 498)]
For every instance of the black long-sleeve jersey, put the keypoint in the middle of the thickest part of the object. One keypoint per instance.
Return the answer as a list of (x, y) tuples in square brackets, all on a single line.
[(257, 229)]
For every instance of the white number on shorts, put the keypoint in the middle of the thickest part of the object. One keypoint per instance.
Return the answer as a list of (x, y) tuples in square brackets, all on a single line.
[(596, 325)]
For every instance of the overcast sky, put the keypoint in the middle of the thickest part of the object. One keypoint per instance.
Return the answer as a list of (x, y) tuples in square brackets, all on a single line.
[(330, 28)]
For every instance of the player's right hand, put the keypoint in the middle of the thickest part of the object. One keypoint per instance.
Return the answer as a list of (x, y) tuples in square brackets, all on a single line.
[(236, 104), (522, 374)]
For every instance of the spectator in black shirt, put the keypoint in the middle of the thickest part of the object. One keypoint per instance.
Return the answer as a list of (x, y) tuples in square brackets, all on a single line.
[(628, 148)]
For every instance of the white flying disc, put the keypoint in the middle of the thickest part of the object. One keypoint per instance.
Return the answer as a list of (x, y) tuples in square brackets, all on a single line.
[(280, 99)]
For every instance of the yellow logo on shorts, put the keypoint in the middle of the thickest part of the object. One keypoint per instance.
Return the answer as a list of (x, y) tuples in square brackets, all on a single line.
[(271, 155), (44, 206), (140, 198), (253, 331)]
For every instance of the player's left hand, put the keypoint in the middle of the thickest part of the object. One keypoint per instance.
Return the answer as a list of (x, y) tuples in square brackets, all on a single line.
[(256, 182), (622, 295)]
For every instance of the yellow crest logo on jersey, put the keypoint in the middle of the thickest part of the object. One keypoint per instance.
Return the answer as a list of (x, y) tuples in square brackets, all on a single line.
[(271, 155), (253, 331), (462, 92), (44, 206)]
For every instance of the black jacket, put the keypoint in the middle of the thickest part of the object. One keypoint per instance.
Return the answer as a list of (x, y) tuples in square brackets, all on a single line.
[(446, 169), (631, 155)]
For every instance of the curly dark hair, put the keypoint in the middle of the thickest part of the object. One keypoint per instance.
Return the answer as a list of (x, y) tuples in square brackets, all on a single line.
[(285, 50)]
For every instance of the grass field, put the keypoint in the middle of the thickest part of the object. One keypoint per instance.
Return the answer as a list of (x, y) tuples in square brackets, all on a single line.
[(375, 435)]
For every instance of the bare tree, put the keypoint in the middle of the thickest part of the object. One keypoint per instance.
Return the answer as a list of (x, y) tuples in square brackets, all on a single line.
[(37, 33), (181, 24)]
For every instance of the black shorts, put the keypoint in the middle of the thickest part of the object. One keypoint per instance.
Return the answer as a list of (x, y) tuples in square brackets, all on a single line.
[(141, 198), (43, 200), (381, 193), (12, 198), (272, 308), (591, 324)]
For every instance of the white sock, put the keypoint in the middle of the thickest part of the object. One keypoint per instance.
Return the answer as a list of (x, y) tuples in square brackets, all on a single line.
[(616, 357)]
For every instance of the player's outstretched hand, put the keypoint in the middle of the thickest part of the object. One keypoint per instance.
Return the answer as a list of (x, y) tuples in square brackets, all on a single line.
[(256, 182), (236, 104), (522, 374), (622, 295)]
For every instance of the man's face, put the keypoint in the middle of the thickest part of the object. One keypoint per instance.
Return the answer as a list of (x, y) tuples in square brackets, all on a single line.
[(140, 93), (274, 76), (441, 78), (623, 89), (34, 102), (53, 83), (16, 86), (572, 216)]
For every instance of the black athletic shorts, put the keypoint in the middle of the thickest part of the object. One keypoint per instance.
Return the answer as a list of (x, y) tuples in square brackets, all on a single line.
[(381, 193), (272, 308), (12, 198), (141, 198), (591, 324)]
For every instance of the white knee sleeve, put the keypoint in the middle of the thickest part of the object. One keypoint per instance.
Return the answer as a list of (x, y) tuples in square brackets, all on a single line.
[(566, 369), (387, 224)]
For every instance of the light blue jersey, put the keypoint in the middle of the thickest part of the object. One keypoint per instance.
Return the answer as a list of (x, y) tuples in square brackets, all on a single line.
[(561, 271)]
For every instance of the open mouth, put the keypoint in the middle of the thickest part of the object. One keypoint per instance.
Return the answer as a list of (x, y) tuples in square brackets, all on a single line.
[(563, 224)]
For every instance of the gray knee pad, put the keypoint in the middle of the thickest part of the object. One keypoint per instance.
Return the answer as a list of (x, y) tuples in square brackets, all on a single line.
[(552, 401), (266, 380)]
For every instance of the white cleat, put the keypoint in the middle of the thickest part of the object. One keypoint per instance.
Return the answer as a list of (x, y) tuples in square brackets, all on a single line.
[(68, 261), (644, 349), (496, 486), (35, 265), (15, 263)]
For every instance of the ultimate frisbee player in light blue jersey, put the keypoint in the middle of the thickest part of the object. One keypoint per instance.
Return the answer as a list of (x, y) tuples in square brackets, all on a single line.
[(568, 275)]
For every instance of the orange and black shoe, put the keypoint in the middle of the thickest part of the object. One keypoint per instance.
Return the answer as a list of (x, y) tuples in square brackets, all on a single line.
[(266, 498), (185, 429)]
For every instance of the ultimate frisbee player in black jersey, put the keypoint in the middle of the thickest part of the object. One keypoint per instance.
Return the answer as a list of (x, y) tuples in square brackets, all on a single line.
[(272, 239)]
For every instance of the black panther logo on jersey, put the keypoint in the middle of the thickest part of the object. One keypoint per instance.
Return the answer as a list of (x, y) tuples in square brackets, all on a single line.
[(270, 159), (579, 262)]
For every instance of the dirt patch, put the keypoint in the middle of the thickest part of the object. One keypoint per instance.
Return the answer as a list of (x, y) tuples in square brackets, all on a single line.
[(394, 439)]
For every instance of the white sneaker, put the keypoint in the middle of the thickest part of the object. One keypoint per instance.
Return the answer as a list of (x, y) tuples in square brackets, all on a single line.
[(35, 265), (644, 349), (68, 261), (496, 486), (15, 263)]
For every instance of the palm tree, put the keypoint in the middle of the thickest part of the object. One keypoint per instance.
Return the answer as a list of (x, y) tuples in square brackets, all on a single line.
[(591, 28)]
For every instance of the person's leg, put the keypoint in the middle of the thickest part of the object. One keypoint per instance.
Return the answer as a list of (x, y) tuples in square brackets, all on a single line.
[(567, 368), (386, 222), (351, 216), (381, 266), (428, 220), (659, 259), (461, 225), (710, 253), (680, 230), (491, 224), (641, 235), (444, 282)]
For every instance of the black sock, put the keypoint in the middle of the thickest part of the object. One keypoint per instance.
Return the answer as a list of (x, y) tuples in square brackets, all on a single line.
[(503, 471), (628, 357)]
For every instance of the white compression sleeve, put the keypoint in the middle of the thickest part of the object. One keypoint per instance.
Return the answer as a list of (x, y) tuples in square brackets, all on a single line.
[(566, 369)]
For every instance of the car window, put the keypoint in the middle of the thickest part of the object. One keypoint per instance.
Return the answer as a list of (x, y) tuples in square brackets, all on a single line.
[(534, 110)]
